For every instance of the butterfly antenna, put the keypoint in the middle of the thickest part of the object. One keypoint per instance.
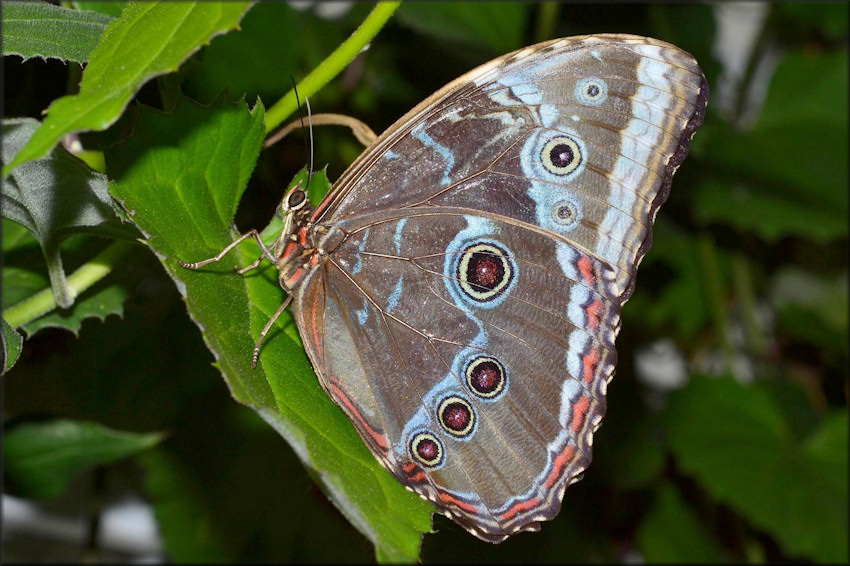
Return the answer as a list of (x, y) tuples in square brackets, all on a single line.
[(310, 125), (308, 145)]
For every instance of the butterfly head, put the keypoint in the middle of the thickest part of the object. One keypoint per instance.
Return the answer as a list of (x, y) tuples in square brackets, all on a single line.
[(295, 204), (295, 245), (295, 200)]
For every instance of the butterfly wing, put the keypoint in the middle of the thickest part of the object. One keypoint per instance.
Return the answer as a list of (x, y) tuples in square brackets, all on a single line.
[(530, 364), (477, 258), (625, 106)]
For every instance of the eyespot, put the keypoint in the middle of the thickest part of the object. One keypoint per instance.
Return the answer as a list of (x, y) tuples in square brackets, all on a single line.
[(484, 271), (427, 449), (566, 213), (486, 377), (456, 416), (561, 155), (591, 92)]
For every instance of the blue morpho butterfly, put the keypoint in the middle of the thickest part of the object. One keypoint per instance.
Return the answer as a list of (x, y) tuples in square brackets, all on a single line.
[(459, 289)]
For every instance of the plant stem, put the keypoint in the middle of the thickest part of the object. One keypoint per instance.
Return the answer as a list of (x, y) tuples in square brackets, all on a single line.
[(710, 268), (95, 504), (83, 278), (332, 65), (547, 19), (62, 293), (742, 278)]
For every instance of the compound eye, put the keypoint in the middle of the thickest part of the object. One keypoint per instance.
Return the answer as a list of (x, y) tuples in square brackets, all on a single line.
[(296, 199)]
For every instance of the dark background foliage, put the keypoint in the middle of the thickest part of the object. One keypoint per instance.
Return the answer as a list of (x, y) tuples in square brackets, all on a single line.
[(740, 454)]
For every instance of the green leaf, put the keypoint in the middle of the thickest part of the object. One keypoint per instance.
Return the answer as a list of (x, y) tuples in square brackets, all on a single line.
[(826, 299), (178, 502), (55, 197), (772, 217), (108, 7), (103, 302), (734, 440), (27, 295), (256, 60), (788, 175), (827, 450), (496, 26), (12, 344), (20, 283), (22, 259), (149, 39), (16, 237), (813, 309), (683, 302), (628, 450), (828, 18), (40, 29), (42, 458), (671, 533), (187, 216)]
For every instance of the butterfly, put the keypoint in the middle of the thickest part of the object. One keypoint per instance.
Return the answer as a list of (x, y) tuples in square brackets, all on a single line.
[(458, 291)]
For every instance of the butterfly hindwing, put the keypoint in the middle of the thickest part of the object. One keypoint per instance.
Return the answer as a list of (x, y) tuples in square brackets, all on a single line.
[(398, 360)]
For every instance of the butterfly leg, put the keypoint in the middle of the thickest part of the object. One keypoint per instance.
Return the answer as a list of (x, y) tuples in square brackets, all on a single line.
[(247, 268), (241, 271), (266, 329)]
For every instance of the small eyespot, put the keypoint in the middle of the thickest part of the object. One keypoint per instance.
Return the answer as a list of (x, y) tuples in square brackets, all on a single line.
[(486, 377), (296, 199), (566, 213), (456, 416), (427, 449), (484, 271), (591, 92)]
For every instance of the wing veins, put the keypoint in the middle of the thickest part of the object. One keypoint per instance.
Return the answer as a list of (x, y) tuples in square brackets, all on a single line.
[(533, 348)]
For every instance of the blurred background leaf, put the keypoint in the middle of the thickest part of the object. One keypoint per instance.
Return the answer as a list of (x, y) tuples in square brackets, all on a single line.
[(672, 533), (734, 439), (495, 26), (42, 458)]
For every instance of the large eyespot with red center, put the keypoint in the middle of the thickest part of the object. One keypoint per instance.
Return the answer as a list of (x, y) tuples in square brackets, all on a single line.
[(457, 417), (561, 155), (426, 449), (486, 377), (485, 272)]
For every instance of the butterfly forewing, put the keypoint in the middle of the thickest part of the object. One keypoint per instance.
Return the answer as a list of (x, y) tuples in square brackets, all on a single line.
[(491, 127), (465, 308)]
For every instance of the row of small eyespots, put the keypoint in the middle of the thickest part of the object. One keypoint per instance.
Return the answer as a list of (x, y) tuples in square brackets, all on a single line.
[(562, 155), (485, 378)]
